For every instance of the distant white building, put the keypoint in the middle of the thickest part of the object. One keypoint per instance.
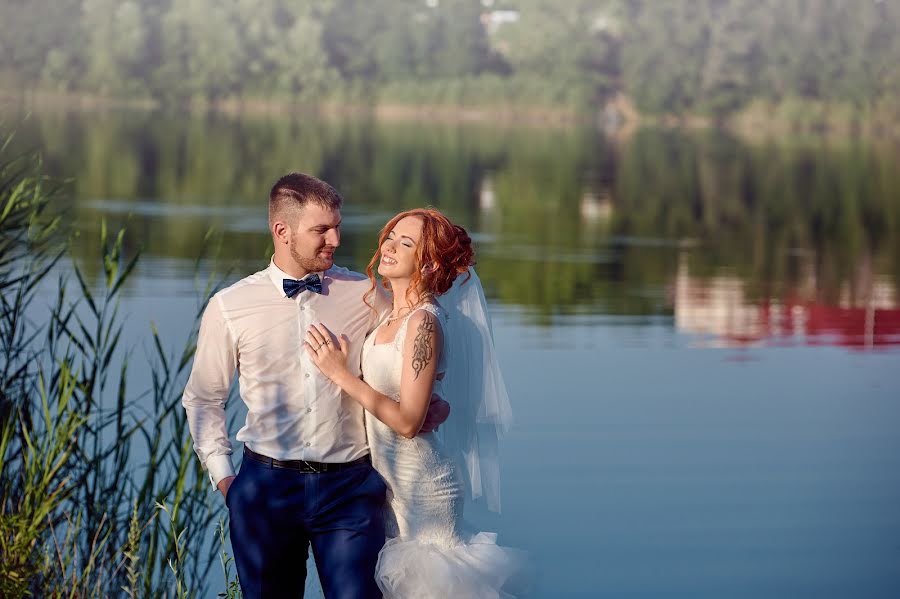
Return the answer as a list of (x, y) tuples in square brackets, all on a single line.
[(494, 19)]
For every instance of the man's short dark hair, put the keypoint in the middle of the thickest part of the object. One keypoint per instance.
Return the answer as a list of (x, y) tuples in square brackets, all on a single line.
[(295, 190)]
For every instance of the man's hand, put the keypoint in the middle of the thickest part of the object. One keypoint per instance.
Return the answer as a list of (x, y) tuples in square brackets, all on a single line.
[(438, 411), (224, 485)]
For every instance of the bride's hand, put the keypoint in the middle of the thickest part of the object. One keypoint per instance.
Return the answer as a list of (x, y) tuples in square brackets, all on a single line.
[(327, 351)]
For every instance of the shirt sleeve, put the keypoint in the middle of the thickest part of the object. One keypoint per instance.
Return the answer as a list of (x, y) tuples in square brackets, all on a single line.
[(215, 362)]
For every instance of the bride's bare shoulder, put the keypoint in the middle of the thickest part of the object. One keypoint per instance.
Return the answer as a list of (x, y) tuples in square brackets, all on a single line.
[(424, 322)]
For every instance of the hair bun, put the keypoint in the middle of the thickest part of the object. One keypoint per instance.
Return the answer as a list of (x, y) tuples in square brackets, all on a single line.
[(449, 247)]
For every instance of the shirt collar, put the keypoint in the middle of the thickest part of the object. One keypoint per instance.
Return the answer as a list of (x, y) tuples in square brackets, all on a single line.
[(277, 276)]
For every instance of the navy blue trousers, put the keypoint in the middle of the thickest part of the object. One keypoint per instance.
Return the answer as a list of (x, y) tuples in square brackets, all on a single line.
[(276, 514)]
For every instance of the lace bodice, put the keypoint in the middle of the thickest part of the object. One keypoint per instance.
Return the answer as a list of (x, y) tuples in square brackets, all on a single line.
[(385, 360)]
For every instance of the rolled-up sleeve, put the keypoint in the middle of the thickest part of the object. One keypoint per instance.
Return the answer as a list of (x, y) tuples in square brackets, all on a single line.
[(215, 362)]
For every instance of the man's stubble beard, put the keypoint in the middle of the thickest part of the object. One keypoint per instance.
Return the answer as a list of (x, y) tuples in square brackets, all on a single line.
[(309, 264)]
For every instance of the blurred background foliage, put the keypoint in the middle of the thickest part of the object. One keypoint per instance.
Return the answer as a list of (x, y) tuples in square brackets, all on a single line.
[(709, 57)]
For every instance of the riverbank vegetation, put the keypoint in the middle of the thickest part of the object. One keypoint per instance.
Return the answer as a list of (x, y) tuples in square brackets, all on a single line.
[(100, 493), (806, 64)]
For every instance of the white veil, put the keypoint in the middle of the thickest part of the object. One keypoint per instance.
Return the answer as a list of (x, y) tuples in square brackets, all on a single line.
[(473, 385)]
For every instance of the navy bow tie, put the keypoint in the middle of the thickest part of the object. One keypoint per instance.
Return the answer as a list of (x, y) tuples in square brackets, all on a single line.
[(292, 286)]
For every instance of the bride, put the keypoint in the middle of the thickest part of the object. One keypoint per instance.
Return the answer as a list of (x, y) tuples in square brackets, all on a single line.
[(426, 346)]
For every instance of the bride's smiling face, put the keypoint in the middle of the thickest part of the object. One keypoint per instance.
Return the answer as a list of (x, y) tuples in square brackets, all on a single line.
[(398, 252)]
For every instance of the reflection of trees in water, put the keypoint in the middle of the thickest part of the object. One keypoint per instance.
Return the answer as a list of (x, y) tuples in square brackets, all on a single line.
[(569, 220), (755, 209)]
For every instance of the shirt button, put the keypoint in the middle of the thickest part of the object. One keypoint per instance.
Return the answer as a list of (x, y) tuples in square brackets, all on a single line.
[(302, 308), (308, 410), (306, 375), (307, 443)]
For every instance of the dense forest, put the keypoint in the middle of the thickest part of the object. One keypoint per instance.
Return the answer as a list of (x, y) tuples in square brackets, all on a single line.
[(708, 57)]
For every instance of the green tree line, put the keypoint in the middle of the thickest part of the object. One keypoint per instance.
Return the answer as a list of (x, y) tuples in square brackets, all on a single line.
[(674, 56)]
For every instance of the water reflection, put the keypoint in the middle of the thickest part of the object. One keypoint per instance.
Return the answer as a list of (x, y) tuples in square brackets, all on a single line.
[(568, 222), (720, 312)]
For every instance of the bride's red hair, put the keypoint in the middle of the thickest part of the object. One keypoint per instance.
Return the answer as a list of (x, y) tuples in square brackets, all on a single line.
[(445, 252)]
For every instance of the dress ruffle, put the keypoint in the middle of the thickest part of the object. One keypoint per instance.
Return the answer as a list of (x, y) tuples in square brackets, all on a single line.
[(478, 568)]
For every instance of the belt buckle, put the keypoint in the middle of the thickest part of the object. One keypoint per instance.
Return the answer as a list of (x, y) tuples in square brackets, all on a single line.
[(311, 468)]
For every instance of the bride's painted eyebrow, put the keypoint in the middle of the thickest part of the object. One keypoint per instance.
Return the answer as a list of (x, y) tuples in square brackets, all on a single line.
[(407, 236)]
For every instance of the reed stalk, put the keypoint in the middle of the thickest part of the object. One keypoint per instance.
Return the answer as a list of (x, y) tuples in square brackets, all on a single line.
[(87, 463)]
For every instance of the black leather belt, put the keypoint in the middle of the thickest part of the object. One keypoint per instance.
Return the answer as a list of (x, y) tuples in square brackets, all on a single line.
[(303, 465)]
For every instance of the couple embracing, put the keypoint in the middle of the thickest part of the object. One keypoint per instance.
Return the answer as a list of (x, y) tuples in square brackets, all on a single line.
[(346, 381)]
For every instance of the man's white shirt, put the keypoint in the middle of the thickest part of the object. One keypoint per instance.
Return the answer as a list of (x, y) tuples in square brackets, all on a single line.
[(294, 411)]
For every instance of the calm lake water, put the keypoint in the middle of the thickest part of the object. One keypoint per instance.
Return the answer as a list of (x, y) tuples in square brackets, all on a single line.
[(700, 336)]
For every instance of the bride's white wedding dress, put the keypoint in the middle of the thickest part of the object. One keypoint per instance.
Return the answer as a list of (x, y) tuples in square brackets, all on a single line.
[(427, 553)]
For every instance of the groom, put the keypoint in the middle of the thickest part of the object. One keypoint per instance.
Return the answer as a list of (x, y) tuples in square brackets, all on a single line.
[(306, 478)]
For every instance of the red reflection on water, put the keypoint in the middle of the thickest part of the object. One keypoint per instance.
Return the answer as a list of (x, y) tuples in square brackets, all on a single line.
[(717, 310), (854, 327)]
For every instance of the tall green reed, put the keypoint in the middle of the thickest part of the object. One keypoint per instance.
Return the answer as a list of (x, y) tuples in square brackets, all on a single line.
[(87, 465), (232, 586)]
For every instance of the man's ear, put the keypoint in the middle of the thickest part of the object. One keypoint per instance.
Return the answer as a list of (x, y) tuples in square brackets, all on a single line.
[(281, 232)]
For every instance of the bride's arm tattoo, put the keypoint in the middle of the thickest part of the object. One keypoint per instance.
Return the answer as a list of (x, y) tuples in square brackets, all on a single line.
[(422, 351)]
